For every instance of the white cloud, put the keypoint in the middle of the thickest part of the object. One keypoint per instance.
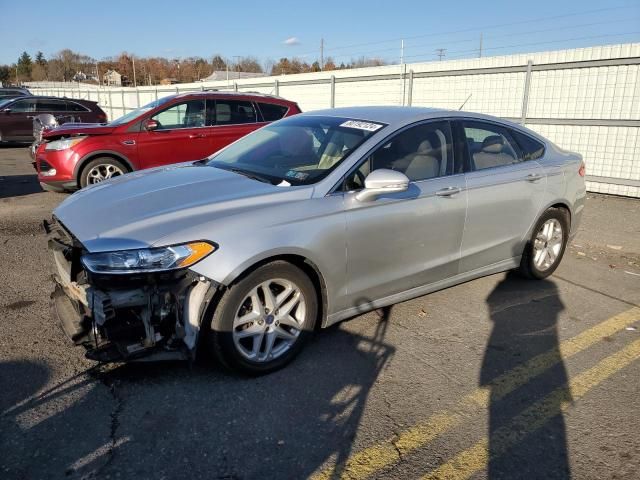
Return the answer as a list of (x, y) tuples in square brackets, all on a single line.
[(291, 41)]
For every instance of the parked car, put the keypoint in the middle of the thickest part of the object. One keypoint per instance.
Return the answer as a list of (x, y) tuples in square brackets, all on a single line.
[(172, 129), (303, 223), (11, 92), (17, 114)]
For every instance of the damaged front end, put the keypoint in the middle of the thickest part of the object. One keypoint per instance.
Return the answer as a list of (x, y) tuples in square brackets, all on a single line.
[(123, 317)]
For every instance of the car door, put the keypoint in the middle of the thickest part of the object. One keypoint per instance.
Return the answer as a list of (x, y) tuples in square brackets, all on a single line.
[(405, 240), (181, 135), (505, 192), (230, 120), (17, 120)]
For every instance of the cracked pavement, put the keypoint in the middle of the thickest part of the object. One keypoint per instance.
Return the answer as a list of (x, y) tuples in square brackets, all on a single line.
[(358, 385)]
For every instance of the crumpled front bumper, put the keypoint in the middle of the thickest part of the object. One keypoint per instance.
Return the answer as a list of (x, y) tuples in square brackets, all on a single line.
[(123, 318)]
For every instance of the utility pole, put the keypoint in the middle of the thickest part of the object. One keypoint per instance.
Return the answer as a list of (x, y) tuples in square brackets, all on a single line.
[(237, 57), (133, 61), (480, 52), (440, 52), (321, 53), (401, 52)]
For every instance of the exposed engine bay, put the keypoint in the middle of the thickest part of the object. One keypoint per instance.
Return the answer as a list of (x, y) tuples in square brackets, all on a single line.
[(146, 316)]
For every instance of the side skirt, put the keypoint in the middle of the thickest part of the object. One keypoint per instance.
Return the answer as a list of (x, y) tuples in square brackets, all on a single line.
[(498, 267)]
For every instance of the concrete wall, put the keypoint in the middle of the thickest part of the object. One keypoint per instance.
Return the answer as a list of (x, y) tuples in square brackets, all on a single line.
[(585, 99)]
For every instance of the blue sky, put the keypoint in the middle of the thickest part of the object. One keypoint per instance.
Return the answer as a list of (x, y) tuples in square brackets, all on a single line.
[(350, 28)]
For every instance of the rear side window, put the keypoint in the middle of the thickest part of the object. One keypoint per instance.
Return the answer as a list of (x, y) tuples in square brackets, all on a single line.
[(489, 145), (272, 112), (531, 148), (50, 106), (75, 107), (232, 112)]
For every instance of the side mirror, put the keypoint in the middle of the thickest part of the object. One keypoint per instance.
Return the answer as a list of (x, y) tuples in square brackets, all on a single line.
[(6, 110), (380, 182), (151, 125)]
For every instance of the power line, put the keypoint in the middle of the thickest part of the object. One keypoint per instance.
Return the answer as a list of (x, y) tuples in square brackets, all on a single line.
[(485, 38), (532, 44), (483, 28)]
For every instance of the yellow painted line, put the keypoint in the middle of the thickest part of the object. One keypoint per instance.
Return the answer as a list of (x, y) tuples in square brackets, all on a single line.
[(372, 459), (476, 458)]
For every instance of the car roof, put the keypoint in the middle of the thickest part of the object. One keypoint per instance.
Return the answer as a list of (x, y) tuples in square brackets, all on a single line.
[(232, 94), (398, 116), (51, 97)]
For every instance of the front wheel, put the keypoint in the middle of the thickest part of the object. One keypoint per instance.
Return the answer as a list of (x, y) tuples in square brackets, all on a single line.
[(101, 169), (545, 249), (262, 321)]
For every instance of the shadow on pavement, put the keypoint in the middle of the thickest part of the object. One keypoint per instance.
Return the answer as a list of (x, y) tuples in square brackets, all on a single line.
[(525, 315), (164, 421), (18, 185)]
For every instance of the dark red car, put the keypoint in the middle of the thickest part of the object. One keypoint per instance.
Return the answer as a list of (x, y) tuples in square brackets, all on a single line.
[(17, 114), (172, 129)]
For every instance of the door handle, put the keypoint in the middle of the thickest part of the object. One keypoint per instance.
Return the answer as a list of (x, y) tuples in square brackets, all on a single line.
[(533, 177), (31, 116), (447, 192), (197, 135)]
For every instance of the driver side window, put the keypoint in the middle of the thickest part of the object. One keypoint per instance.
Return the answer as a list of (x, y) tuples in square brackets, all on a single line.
[(182, 115), (421, 152)]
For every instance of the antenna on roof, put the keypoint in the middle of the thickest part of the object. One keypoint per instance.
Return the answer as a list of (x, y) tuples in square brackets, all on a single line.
[(465, 102)]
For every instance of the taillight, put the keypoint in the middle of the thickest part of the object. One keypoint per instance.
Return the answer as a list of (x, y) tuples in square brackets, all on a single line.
[(582, 170), (102, 117)]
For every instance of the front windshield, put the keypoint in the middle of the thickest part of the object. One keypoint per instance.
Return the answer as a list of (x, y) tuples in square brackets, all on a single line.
[(127, 117), (299, 150), (6, 101)]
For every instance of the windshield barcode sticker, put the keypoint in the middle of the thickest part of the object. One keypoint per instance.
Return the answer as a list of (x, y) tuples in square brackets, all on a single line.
[(368, 126)]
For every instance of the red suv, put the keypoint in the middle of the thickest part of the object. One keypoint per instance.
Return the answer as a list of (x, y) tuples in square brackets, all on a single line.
[(172, 129)]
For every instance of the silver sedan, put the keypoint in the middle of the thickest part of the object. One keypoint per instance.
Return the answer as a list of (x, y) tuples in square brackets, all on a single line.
[(303, 223)]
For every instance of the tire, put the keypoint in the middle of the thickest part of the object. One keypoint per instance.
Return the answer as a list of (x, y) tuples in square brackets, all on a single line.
[(232, 340), (536, 264), (109, 167)]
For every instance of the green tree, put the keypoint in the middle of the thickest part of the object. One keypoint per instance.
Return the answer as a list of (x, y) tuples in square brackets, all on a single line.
[(5, 74), (24, 66), (40, 60), (218, 63)]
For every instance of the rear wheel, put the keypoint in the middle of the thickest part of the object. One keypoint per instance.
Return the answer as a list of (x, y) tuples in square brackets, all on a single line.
[(101, 169), (262, 321), (545, 249)]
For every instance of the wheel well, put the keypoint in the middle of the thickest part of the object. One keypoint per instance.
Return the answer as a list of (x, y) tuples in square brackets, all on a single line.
[(309, 268), (565, 207), (86, 160)]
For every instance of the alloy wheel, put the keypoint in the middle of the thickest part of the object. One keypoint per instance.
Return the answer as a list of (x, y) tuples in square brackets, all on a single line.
[(547, 244), (269, 320), (102, 172)]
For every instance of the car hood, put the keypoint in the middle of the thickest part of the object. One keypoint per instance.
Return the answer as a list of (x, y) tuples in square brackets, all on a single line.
[(78, 129), (138, 209)]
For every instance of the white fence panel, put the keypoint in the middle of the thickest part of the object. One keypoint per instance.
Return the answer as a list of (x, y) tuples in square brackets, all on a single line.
[(585, 99)]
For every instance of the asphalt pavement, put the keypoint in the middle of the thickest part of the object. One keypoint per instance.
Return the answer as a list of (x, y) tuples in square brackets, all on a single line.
[(496, 378)]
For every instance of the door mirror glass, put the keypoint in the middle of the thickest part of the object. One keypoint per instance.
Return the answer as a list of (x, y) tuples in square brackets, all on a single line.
[(381, 182), (151, 125)]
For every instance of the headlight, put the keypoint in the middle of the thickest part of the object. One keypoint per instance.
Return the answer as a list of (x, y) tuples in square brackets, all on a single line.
[(63, 143), (147, 259)]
